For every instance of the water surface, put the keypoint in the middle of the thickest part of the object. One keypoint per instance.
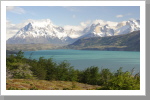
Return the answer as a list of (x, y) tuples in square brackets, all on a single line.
[(82, 59)]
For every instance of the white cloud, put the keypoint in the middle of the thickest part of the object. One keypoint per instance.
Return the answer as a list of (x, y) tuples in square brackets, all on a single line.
[(17, 10), (12, 29), (78, 27), (119, 16), (102, 22), (73, 16), (85, 24)]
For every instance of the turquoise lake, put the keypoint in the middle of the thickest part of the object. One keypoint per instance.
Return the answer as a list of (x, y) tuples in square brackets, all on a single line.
[(82, 59)]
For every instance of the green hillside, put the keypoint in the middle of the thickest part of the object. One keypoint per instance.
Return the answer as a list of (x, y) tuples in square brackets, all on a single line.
[(125, 42)]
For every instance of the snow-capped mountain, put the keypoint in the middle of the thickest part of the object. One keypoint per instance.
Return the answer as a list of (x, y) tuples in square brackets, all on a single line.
[(97, 30), (44, 31), (124, 27), (128, 27), (40, 32)]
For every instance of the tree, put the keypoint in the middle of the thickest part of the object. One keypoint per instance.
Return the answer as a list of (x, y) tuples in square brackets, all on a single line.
[(90, 75), (20, 55), (63, 71), (105, 75), (122, 81), (20, 71)]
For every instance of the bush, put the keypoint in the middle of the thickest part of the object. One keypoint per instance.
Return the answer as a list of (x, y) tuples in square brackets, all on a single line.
[(105, 75), (19, 71), (46, 69), (122, 81), (90, 75)]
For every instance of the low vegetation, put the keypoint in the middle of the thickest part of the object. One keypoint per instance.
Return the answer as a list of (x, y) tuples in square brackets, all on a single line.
[(30, 47), (30, 84), (28, 74)]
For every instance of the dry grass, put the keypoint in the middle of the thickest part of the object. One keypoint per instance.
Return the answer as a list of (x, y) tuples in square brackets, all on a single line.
[(26, 84)]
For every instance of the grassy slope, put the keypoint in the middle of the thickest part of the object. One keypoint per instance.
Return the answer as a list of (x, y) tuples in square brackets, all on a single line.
[(28, 84)]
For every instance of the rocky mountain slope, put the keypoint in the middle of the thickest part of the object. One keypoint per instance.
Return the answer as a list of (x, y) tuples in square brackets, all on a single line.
[(127, 42), (46, 32)]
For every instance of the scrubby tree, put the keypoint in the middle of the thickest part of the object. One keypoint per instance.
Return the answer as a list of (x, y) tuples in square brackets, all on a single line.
[(122, 81), (90, 75), (105, 75), (20, 55), (20, 71), (46, 69)]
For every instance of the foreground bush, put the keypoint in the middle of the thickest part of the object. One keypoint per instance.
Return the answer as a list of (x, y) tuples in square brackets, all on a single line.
[(122, 81), (19, 67)]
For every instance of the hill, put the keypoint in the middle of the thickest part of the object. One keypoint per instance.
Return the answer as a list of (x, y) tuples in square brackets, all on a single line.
[(125, 42), (30, 47)]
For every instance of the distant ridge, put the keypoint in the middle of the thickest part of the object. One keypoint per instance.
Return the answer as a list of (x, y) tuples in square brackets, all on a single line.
[(125, 42)]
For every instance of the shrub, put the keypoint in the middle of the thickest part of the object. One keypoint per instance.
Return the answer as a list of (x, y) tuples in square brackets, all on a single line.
[(122, 81), (105, 75), (90, 75), (20, 70)]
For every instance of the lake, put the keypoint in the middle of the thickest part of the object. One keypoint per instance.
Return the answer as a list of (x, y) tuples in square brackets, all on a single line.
[(82, 59)]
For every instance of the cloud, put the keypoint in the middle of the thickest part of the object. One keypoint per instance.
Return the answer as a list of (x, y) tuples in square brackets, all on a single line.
[(12, 29), (102, 22), (73, 16), (78, 27), (17, 10), (69, 27), (119, 16), (86, 23)]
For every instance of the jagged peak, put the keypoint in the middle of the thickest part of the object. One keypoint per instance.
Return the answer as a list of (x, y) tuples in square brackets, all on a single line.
[(45, 28), (40, 23)]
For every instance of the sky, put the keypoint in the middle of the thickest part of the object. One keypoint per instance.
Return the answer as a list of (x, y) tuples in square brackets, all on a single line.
[(67, 15)]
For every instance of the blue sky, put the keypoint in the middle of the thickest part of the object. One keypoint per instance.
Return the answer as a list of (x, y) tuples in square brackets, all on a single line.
[(72, 15), (67, 16)]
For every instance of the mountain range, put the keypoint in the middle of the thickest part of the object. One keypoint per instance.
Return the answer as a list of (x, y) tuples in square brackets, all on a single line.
[(46, 32), (124, 42)]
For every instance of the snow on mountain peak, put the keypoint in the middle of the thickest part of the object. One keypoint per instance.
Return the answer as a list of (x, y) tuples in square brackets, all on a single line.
[(41, 23), (127, 27), (46, 29), (41, 28), (102, 23)]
